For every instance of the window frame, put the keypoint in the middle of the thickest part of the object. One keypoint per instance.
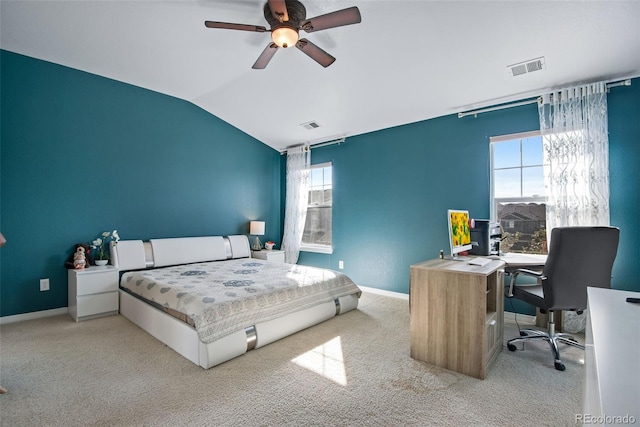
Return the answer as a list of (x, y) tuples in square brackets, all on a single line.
[(495, 201), (493, 209), (318, 248)]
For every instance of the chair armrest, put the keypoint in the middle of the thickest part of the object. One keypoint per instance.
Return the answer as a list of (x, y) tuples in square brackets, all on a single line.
[(514, 275)]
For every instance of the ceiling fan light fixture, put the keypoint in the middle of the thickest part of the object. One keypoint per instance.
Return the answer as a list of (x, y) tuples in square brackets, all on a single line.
[(286, 18), (284, 36)]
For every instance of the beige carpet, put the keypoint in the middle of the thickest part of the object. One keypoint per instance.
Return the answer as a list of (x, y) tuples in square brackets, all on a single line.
[(353, 370)]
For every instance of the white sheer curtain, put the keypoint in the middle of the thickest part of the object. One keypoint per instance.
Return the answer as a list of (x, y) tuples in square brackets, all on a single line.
[(295, 215), (575, 141)]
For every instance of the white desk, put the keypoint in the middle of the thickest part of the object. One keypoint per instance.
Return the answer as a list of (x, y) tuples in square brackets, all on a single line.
[(612, 357), (514, 261)]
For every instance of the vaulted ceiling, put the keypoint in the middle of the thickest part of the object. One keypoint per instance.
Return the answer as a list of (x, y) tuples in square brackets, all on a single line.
[(406, 61)]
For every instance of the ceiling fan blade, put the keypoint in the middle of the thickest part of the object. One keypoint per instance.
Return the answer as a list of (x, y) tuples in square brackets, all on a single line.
[(279, 10), (315, 53), (265, 56), (338, 18), (230, 26)]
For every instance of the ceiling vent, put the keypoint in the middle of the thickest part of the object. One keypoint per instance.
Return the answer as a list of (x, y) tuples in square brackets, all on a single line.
[(526, 67), (310, 125)]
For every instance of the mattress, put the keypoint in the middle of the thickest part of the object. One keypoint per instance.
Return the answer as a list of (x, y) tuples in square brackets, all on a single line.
[(222, 297)]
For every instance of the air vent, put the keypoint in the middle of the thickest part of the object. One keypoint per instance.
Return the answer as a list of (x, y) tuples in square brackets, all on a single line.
[(310, 125), (526, 67)]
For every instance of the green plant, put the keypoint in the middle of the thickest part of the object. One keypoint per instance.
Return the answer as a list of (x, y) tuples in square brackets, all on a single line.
[(508, 240), (99, 245), (538, 243)]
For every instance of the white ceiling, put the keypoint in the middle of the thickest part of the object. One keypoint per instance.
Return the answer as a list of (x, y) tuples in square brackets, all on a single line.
[(407, 61)]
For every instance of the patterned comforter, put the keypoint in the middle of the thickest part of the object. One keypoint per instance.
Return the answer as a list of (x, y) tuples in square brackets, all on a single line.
[(223, 297)]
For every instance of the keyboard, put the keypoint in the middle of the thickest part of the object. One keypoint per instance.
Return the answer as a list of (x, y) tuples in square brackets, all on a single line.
[(479, 261)]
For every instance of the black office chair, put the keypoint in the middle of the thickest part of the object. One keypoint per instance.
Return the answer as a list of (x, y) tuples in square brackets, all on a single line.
[(578, 257)]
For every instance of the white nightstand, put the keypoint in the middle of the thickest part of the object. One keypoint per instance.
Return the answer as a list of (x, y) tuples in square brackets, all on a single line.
[(93, 292), (272, 255)]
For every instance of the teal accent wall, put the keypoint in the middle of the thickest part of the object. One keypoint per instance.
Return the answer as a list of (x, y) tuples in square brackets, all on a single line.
[(624, 181), (392, 189), (82, 154)]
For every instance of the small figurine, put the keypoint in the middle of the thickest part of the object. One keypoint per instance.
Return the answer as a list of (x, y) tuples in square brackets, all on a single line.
[(79, 259), (71, 258)]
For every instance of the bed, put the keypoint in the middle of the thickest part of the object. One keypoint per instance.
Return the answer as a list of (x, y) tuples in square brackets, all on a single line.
[(208, 300)]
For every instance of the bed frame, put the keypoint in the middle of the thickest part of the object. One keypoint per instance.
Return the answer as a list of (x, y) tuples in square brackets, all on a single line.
[(130, 255)]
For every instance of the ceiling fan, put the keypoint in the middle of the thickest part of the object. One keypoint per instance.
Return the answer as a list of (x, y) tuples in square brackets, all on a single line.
[(287, 18)]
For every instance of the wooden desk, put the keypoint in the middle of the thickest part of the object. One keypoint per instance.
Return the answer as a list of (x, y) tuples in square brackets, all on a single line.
[(457, 314)]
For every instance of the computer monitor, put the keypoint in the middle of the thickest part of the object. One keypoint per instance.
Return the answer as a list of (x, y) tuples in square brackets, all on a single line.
[(459, 231)]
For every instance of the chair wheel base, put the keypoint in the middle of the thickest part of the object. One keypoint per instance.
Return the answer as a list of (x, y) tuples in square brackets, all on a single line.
[(511, 347), (559, 366)]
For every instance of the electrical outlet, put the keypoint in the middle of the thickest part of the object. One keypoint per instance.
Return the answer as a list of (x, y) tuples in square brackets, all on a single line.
[(44, 284), (340, 264)]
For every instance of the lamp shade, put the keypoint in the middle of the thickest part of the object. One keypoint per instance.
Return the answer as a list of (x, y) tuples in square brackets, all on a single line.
[(256, 228)]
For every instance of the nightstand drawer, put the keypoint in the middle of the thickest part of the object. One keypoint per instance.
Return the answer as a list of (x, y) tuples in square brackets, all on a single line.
[(98, 283), (94, 304)]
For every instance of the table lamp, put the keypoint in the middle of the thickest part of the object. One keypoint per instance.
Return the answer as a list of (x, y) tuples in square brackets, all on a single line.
[(256, 228)]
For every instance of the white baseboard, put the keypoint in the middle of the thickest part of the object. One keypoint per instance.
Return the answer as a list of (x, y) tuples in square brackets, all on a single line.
[(385, 292), (509, 316), (33, 315)]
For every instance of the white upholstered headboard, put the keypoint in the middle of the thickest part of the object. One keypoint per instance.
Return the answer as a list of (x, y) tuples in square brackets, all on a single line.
[(137, 254)]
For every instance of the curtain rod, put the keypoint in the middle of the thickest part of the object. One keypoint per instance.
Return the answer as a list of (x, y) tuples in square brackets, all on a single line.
[(332, 142), (321, 144), (626, 82)]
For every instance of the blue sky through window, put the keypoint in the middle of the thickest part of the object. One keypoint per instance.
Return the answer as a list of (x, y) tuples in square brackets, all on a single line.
[(321, 177), (518, 168)]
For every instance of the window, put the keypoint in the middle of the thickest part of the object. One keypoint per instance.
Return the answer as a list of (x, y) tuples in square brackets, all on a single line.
[(317, 228), (518, 192)]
